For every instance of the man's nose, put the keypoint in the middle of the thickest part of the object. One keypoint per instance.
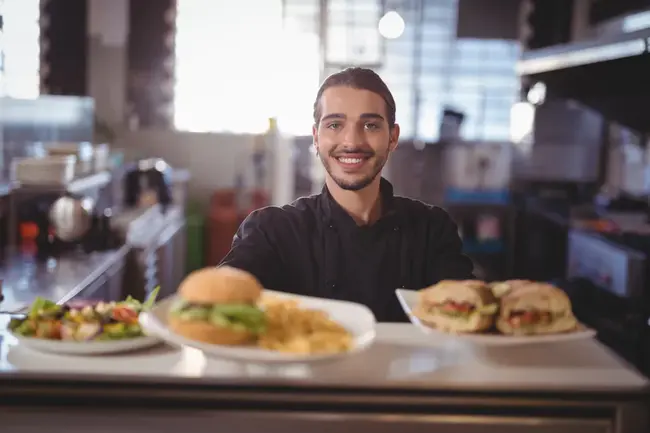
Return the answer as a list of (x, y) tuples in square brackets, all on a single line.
[(353, 135)]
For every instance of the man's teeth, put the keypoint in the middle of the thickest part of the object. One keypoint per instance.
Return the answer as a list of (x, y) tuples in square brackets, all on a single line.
[(350, 160)]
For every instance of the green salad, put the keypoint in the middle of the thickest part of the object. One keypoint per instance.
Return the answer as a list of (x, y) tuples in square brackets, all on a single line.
[(83, 320)]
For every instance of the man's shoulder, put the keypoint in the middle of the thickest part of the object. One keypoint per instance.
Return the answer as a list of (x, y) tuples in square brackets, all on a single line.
[(416, 209), (302, 211)]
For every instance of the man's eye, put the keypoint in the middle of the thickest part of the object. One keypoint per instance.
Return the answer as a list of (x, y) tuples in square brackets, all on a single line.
[(372, 126), (334, 126)]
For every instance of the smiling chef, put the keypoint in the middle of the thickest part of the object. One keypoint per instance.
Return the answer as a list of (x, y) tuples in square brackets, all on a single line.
[(355, 241)]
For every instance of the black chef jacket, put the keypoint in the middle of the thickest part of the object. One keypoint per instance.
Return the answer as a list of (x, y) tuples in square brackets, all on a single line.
[(314, 247)]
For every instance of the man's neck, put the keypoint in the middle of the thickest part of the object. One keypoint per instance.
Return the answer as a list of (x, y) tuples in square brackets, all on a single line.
[(364, 206)]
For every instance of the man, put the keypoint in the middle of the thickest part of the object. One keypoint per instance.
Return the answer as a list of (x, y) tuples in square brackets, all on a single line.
[(355, 241)]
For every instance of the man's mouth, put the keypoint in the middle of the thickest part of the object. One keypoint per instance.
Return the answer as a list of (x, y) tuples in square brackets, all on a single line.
[(349, 160), (352, 161)]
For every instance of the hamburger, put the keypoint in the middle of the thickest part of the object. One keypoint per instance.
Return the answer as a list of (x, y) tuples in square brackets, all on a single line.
[(457, 306), (535, 309), (218, 306)]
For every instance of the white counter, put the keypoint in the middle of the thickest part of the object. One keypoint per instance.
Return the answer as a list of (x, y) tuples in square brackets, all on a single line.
[(402, 356)]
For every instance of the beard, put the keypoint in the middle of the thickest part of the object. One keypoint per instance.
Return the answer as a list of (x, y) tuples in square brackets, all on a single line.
[(353, 182)]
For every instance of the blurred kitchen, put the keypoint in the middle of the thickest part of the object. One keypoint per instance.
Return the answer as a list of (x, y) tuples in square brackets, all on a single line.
[(136, 135)]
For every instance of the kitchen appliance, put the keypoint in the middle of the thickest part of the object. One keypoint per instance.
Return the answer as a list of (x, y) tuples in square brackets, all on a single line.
[(477, 171), (606, 280), (615, 268), (450, 125), (47, 221), (45, 171), (84, 153), (71, 216), (148, 182), (51, 225)]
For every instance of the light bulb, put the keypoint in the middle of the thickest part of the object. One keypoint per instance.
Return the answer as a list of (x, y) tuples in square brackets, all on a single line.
[(391, 25)]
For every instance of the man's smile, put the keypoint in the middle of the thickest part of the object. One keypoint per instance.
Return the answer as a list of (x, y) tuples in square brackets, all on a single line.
[(352, 161)]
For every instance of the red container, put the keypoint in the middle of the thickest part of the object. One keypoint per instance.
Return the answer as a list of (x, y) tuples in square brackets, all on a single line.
[(223, 222), (224, 218)]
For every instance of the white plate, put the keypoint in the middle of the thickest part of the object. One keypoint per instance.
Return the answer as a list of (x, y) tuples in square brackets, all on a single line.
[(86, 347), (409, 299), (356, 318)]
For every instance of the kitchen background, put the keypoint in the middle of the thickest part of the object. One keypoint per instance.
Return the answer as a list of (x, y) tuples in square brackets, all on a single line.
[(525, 119)]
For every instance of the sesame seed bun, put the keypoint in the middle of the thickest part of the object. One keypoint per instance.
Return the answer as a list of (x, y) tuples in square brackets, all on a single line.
[(222, 285)]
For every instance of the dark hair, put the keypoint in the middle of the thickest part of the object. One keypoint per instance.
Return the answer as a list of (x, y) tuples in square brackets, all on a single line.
[(358, 78)]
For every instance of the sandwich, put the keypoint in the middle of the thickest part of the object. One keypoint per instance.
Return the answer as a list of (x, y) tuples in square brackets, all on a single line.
[(218, 306), (457, 306), (501, 288), (535, 309)]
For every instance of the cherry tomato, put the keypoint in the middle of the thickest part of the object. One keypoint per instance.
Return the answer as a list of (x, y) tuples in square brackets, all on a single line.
[(125, 315)]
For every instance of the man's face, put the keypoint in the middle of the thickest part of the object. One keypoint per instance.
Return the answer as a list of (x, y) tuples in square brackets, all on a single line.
[(353, 138)]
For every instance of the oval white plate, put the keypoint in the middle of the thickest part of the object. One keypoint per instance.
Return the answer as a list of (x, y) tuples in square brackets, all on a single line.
[(86, 347), (409, 298), (356, 318)]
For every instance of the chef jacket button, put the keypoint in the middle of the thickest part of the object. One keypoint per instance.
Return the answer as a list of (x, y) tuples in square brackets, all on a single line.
[(396, 228), (331, 226), (332, 285)]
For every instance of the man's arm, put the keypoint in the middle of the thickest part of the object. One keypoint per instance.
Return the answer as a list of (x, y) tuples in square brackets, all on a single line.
[(448, 261), (252, 249)]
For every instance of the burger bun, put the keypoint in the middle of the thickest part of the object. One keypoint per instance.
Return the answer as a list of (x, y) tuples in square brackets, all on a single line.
[(206, 332), (220, 285)]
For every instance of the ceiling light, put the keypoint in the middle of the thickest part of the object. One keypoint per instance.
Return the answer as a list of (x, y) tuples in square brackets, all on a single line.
[(391, 25)]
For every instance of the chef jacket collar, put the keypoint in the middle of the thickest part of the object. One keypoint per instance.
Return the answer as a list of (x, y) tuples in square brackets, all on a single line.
[(334, 214)]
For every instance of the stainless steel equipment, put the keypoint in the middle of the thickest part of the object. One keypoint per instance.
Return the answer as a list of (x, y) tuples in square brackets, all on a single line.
[(158, 245), (26, 123), (611, 266), (478, 165), (147, 182), (46, 171), (70, 216)]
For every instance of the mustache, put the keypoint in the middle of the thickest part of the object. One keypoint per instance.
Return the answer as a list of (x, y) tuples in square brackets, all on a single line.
[(352, 151)]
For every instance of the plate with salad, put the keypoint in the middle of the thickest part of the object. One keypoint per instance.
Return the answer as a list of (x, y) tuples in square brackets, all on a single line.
[(84, 327)]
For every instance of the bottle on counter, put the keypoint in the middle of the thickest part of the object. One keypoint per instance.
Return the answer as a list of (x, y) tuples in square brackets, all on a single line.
[(223, 222)]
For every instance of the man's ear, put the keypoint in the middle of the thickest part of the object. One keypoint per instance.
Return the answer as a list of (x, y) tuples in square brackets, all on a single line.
[(314, 134), (394, 137)]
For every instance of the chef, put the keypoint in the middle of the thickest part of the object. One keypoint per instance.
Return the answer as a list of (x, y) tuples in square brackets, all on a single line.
[(355, 241)]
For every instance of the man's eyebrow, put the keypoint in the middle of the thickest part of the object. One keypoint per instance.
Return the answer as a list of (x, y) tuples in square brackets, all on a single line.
[(372, 116), (334, 116), (362, 116)]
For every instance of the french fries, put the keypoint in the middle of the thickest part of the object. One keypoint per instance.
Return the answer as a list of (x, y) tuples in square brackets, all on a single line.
[(292, 329)]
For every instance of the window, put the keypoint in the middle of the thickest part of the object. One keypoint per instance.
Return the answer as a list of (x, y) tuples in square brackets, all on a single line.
[(235, 66), (484, 85), (20, 49), (239, 63), (352, 36), (427, 68)]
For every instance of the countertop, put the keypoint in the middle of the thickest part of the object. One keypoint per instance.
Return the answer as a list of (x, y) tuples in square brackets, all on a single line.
[(402, 357), (24, 279)]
